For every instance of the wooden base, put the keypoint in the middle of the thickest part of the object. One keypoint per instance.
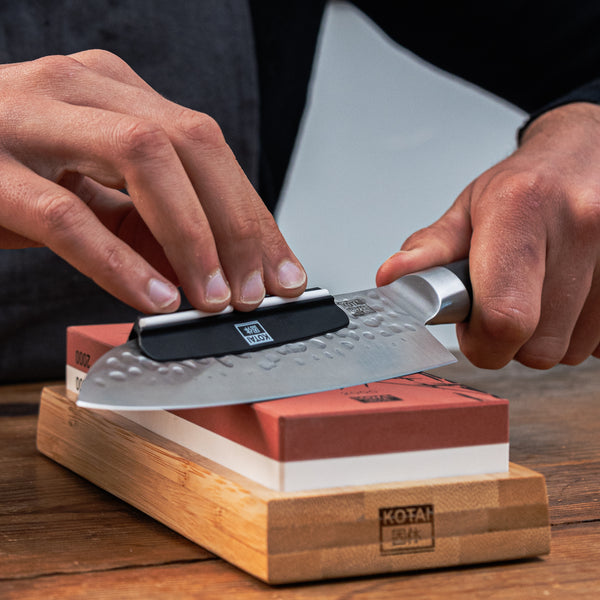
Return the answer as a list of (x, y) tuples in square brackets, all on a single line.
[(283, 537)]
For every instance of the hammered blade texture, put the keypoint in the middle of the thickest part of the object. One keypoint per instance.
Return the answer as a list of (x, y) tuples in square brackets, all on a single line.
[(381, 341)]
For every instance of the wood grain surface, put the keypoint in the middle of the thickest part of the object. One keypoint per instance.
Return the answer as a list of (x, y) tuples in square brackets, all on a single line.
[(310, 535), (61, 537)]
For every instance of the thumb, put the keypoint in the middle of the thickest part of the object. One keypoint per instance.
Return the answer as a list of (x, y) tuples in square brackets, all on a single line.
[(446, 240)]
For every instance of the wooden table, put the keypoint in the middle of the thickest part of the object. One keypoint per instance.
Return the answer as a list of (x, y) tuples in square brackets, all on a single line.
[(61, 537)]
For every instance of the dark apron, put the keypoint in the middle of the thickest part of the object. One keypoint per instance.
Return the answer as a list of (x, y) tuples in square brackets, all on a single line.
[(197, 53)]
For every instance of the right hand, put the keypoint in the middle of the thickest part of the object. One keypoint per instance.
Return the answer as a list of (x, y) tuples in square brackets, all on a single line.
[(531, 228), (74, 130)]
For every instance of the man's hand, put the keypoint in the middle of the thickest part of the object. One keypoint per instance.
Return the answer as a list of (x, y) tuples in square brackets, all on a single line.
[(531, 228), (74, 131)]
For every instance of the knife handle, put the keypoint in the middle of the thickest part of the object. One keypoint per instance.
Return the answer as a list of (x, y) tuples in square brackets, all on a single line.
[(461, 269), (452, 284), (438, 295)]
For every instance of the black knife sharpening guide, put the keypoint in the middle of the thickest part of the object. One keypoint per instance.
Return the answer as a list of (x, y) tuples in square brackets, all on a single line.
[(277, 321)]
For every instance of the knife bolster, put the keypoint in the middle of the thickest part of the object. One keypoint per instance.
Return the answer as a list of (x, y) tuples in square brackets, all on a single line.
[(435, 296)]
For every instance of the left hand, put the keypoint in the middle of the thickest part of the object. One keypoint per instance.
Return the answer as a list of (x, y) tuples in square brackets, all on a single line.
[(74, 131), (531, 228)]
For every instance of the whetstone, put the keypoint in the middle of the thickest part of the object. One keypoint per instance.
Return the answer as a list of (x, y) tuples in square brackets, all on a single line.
[(284, 537)]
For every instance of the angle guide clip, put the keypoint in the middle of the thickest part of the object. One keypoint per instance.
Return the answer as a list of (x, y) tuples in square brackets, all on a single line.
[(195, 334)]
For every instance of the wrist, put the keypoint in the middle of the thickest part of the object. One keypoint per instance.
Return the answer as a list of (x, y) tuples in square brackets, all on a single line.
[(561, 117)]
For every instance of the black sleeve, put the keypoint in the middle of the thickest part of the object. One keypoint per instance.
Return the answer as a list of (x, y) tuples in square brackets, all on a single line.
[(589, 92), (535, 54)]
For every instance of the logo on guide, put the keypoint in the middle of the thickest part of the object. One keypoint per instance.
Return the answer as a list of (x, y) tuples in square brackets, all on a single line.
[(253, 332)]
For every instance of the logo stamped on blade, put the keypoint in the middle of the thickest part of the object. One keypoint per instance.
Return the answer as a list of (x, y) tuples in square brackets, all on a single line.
[(356, 307), (253, 332)]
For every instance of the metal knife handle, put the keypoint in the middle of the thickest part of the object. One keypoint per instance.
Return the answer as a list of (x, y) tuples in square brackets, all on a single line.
[(461, 269), (451, 285), (437, 295)]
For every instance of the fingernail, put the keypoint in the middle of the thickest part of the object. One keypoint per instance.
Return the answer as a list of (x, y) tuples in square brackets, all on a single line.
[(290, 276), (217, 290), (162, 294), (253, 289)]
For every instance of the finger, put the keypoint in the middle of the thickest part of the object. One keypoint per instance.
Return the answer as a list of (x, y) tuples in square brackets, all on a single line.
[(441, 243), (283, 272), (246, 231), (569, 269), (53, 215), (507, 265), (118, 150), (64, 77), (229, 203), (250, 245), (251, 248), (585, 339), (561, 303), (110, 65), (9, 240), (567, 283), (117, 213), (237, 217)]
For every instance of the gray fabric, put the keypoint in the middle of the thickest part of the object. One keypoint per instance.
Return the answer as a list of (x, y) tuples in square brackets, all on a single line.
[(197, 53)]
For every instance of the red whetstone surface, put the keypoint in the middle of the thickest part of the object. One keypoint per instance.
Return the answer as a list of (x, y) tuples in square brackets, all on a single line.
[(415, 412), (87, 343)]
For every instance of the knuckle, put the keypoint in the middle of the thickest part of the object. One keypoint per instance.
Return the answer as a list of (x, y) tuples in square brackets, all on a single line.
[(507, 322), (139, 139), (415, 239), (110, 264), (108, 64), (587, 212), (540, 354), (534, 361), (192, 237), (583, 343), (434, 233), (244, 227), (574, 357), (273, 242), (113, 260), (201, 128), (57, 209), (526, 189), (54, 67), (98, 56), (482, 359), (442, 233)]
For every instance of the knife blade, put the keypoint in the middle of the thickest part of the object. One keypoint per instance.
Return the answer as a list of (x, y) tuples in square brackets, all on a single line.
[(385, 336)]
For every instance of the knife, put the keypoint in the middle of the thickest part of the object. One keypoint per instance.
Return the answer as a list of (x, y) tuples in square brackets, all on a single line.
[(284, 348)]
